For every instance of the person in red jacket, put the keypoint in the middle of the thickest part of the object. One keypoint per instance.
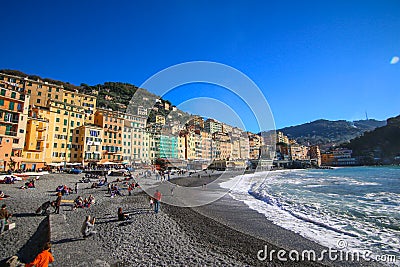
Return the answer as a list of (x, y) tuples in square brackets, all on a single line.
[(43, 258), (157, 200)]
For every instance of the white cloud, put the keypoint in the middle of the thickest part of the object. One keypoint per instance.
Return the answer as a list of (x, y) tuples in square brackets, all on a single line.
[(394, 60)]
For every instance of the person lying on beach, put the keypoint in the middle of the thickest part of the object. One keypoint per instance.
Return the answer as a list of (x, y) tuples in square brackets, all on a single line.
[(43, 259), (2, 195), (122, 216), (88, 226)]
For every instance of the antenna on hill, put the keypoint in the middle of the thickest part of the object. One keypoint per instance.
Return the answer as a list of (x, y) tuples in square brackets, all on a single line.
[(366, 115)]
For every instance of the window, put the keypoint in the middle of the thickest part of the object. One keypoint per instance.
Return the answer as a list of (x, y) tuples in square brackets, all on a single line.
[(57, 119), (39, 86), (1, 102), (56, 96), (39, 93), (11, 106), (15, 141), (21, 130), (48, 95), (55, 145), (3, 92), (38, 101), (65, 122), (13, 94), (29, 91)]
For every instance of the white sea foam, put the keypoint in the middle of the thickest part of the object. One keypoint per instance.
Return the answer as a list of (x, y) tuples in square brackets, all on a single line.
[(322, 217)]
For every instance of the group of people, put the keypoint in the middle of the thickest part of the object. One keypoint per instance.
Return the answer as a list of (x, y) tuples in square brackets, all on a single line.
[(64, 190), (80, 202), (132, 186), (9, 180), (163, 175), (114, 190)]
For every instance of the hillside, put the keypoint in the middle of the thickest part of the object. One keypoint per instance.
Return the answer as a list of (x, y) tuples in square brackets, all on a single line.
[(381, 145), (327, 133), (119, 96)]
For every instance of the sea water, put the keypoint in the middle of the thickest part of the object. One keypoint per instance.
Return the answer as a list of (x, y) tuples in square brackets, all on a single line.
[(357, 206)]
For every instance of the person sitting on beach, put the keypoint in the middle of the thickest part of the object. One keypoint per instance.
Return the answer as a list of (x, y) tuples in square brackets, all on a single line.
[(4, 216), (78, 203), (88, 226), (130, 189), (43, 259), (122, 216), (94, 185), (91, 199), (101, 183)]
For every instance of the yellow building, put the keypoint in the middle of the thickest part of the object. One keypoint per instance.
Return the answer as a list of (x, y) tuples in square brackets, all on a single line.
[(63, 119), (33, 154), (160, 119)]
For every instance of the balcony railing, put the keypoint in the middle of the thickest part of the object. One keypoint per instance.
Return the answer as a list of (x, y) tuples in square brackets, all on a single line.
[(9, 133)]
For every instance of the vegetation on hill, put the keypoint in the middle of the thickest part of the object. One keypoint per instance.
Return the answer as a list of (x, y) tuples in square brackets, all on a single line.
[(119, 96), (380, 146), (329, 133)]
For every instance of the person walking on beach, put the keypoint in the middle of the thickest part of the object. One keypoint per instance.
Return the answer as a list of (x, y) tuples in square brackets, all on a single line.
[(58, 203), (157, 200), (88, 226), (43, 258), (76, 188), (4, 215)]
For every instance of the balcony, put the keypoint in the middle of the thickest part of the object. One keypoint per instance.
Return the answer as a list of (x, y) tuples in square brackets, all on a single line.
[(8, 133), (12, 121)]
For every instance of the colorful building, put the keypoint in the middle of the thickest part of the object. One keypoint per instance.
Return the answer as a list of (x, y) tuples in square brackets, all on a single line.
[(34, 152), (14, 104), (112, 123), (87, 144)]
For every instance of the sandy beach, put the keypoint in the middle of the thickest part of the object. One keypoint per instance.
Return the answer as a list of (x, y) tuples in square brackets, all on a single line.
[(224, 233)]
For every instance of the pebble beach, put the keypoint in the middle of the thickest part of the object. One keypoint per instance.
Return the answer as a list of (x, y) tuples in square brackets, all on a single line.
[(174, 237)]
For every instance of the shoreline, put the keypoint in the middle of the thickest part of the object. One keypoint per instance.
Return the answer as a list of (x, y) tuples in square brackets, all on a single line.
[(214, 234)]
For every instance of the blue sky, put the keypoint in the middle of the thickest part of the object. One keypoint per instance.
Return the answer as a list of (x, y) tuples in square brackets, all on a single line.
[(311, 59)]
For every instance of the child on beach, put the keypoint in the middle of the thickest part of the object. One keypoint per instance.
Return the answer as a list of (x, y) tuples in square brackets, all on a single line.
[(151, 202), (43, 258)]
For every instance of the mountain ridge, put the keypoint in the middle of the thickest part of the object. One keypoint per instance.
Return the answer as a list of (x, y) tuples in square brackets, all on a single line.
[(326, 133)]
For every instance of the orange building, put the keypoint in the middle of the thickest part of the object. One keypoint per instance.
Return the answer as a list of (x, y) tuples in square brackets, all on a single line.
[(13, 119), (112, 123)]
